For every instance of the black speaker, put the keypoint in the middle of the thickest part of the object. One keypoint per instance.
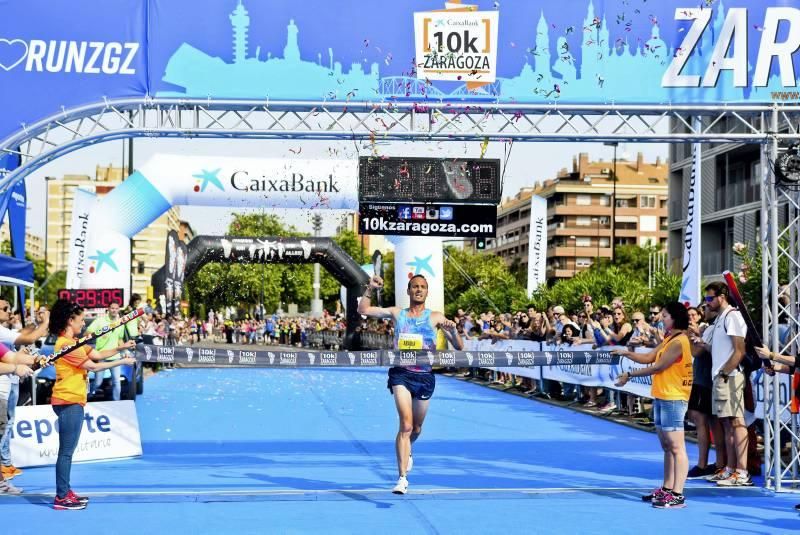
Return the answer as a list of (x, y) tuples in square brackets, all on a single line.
[(787, 167)]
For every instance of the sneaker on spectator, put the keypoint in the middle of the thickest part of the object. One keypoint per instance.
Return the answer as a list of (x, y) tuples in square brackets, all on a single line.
[(83, 499), (68, 503), (719, 475), (402, 486), (736, 480), (7, 488), (608, 407), (696, 472), (657, 494), (670, 501), (10, 472)]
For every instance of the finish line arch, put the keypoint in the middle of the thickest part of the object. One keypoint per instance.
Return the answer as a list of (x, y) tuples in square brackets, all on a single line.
[(204, 250)]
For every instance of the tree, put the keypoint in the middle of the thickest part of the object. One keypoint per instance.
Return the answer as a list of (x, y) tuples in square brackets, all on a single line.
[(220, 285), (479, 282)]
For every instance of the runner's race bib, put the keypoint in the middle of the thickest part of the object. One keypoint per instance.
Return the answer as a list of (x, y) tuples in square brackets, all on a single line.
[(409, 341)]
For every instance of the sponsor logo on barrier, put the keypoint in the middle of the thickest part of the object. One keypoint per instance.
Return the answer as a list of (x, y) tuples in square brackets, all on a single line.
[(525, 359), (447, 358), (509, 358), (231, 356), (431, 358), (470, 357), (311, 359), (408, 358), (271, 356), (189, 354), (565, 357), (287, 359), (207, 356), (549, 358), (369, 359), (391, 356), (148, 353), (352, 358), (603, 357), (328, 359), (486, 359), (247, 357), (165, 354)]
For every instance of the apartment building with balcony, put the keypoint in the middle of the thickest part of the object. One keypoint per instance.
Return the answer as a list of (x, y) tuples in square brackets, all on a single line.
[(579, 211), (730, 181)]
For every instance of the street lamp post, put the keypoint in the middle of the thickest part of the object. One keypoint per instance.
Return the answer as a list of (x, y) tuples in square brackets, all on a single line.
[(614, 144), (316, 304)]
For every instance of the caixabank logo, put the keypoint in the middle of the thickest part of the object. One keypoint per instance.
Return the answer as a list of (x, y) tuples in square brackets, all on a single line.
[(78, 57)]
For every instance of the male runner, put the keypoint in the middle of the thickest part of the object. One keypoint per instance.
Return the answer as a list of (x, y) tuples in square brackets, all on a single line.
[(412, 386)]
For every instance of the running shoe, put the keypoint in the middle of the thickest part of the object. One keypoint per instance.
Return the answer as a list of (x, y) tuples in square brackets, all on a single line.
[(83, 499), (401, 487), (797, 507), (719, 475), (657, 494), (410, 463), (7, 488), (697, 473), (670, 501), (67, 503), (736, 480), (10, 472)]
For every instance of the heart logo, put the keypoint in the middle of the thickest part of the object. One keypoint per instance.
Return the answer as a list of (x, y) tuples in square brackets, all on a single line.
[(13, 53)]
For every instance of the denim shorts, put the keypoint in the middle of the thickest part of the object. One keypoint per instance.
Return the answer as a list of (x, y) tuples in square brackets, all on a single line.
[(669, 414)]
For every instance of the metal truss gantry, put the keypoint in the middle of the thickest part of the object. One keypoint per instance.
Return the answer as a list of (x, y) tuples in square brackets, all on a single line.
[(780, 246), (397, 120), (72, 129)]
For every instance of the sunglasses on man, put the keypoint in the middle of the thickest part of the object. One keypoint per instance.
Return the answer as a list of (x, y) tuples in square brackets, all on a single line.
[(710, 298)]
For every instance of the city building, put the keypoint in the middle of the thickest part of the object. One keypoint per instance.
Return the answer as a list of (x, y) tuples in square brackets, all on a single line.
[(34, 245), (579, 214), (148, 247)]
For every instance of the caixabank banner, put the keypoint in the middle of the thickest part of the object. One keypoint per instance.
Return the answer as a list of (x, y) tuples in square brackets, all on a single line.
[(57, 56)]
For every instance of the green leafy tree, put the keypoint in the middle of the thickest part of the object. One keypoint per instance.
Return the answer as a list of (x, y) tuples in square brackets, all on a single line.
[(242, 285), (479, 282)]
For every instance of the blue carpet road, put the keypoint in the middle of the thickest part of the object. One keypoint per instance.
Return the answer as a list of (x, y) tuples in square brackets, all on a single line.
[(302, 451)]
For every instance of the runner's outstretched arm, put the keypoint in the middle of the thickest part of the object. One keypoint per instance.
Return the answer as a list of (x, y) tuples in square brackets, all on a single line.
[(365, 307)]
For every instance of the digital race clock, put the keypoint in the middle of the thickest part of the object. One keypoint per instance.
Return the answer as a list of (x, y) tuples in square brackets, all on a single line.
[(92, 297)]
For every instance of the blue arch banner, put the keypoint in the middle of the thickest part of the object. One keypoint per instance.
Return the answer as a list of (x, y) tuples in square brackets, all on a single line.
[(56, 55)]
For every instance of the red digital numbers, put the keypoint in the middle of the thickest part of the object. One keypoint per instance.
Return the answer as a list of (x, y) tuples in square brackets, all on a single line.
[(92, 297)]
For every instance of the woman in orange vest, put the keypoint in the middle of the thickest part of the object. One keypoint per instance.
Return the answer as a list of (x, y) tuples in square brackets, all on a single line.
[(671, 367), (69, 392)]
